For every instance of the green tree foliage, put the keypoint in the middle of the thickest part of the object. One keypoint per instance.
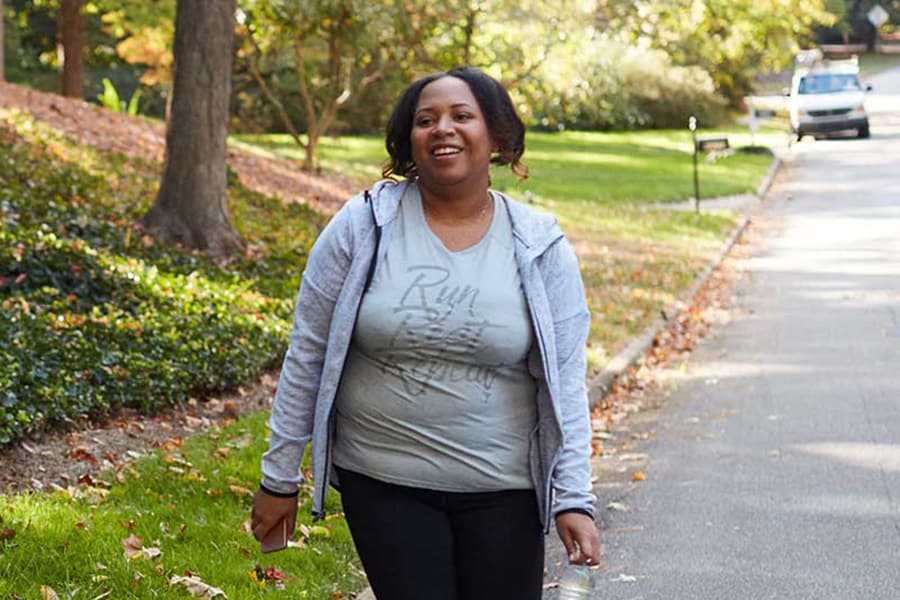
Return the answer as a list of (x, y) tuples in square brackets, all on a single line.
[(145, 31), (32, 34), (563, 72), (733, 40), (327, 53)]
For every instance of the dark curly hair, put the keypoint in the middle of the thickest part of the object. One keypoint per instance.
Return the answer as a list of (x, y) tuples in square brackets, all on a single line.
[(503, 123)]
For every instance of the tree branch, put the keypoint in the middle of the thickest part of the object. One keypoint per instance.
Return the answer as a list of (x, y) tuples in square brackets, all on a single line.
[(253, 64)]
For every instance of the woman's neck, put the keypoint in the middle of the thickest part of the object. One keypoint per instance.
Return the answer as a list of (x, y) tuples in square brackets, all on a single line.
[(449, 204)]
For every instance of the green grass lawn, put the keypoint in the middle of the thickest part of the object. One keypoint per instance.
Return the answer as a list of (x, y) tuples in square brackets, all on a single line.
[(640, 166), (605, 188), (189, 501)]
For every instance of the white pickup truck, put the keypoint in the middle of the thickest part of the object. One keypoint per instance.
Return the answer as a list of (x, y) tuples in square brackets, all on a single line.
[(826, 96)]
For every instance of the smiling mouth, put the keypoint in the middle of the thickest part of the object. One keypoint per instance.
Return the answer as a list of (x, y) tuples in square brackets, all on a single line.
[(446, 151)]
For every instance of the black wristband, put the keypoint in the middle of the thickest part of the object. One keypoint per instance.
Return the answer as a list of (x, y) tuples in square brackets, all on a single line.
[(293, 494), (580, 511)]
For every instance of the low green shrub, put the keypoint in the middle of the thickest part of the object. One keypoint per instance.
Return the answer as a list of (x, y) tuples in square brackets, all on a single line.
[(96, 315), (614, 85)]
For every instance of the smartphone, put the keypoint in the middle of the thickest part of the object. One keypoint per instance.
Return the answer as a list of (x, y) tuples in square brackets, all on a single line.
[(276, 539)]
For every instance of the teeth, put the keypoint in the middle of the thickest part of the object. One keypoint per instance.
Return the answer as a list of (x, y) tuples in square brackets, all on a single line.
[(442, 151)]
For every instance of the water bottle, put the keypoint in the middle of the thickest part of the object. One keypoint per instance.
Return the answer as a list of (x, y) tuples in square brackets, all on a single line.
[(575, 583)]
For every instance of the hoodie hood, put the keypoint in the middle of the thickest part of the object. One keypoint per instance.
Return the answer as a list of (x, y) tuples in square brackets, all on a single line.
[(534, 230)]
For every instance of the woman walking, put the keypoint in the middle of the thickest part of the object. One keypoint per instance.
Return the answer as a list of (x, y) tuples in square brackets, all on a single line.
[(437, 365)]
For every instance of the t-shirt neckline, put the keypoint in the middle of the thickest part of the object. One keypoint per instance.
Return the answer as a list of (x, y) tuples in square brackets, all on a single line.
[(420, 216)]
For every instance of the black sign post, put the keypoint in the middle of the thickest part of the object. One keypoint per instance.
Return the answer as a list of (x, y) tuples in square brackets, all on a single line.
[(692, 124)]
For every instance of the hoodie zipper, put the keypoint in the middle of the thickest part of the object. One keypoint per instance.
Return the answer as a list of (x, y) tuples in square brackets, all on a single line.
[(329, 423), (542, 347)]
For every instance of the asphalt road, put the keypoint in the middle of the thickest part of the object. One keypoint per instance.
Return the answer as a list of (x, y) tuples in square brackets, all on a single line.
[(773, 470)]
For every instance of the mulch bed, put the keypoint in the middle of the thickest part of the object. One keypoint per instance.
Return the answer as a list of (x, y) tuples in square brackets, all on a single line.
[(59, 459), (95, 126)]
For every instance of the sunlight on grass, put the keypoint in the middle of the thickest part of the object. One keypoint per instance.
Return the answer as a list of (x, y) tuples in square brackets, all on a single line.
[(190, 500)]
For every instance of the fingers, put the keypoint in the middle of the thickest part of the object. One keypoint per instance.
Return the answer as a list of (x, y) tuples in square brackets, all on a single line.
[(580, 537), (268, 510), (566, 536), (588, 541)]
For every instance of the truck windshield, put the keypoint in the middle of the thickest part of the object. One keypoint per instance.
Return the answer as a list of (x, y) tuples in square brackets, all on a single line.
[(829, 83)]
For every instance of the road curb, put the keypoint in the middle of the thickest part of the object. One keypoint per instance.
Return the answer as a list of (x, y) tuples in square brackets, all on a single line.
[(601, 384), (766, 183)]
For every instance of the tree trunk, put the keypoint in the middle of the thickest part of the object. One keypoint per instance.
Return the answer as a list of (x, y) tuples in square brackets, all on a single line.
[(469, 34), (312, 144), (190, 207), (71, 36), (2, 58)]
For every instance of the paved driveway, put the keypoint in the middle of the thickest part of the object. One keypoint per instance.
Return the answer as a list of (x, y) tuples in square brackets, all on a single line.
[(774, 468)]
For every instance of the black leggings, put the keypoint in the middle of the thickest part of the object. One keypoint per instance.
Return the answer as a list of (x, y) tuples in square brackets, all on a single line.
[(418, 544)]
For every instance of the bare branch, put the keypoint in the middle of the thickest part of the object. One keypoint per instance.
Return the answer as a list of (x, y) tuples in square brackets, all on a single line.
[(255, 72)]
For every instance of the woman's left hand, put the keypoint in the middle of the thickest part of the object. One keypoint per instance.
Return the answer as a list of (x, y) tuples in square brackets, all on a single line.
[(580, 537)]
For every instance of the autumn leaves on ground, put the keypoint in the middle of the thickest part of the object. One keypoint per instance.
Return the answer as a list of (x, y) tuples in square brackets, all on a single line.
[(105, 325)]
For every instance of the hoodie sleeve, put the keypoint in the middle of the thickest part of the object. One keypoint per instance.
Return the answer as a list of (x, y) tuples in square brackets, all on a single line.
[(293, 411), (571, 325)]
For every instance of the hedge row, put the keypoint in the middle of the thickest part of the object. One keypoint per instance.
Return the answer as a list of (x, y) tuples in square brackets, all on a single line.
[(97, 316)]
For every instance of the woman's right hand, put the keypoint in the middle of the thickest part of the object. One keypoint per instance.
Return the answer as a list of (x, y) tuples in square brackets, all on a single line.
[(268, 510)]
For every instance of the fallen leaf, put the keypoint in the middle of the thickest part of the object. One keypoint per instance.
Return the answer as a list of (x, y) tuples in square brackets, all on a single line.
[(48, 593), (81, 453), (273, 574), (240, 490), (151, 553), (616, 506), (638, 476), (319, 530), (172, 443), (7, 534), (256, 577), (132, 545), (197, 587)]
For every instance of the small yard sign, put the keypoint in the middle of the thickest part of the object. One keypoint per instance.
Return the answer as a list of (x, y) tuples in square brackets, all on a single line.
[(877, 16)]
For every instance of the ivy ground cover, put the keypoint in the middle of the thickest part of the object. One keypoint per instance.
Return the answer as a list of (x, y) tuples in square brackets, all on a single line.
[(96, 316)]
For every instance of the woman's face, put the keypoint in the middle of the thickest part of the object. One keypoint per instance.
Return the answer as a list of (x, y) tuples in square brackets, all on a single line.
[(450, 141)]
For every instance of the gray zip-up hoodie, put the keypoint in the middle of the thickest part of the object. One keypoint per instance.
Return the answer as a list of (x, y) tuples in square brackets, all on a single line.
[(325, 316)]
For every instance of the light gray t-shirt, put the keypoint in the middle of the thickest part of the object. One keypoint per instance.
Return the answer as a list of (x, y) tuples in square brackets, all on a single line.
[(435, 391)]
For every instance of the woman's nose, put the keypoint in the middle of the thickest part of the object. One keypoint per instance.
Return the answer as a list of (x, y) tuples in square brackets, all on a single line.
[(443, 125)]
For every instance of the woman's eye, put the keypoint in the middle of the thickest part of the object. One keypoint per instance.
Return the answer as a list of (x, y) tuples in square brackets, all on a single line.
[(463, 116), (423, 122)]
